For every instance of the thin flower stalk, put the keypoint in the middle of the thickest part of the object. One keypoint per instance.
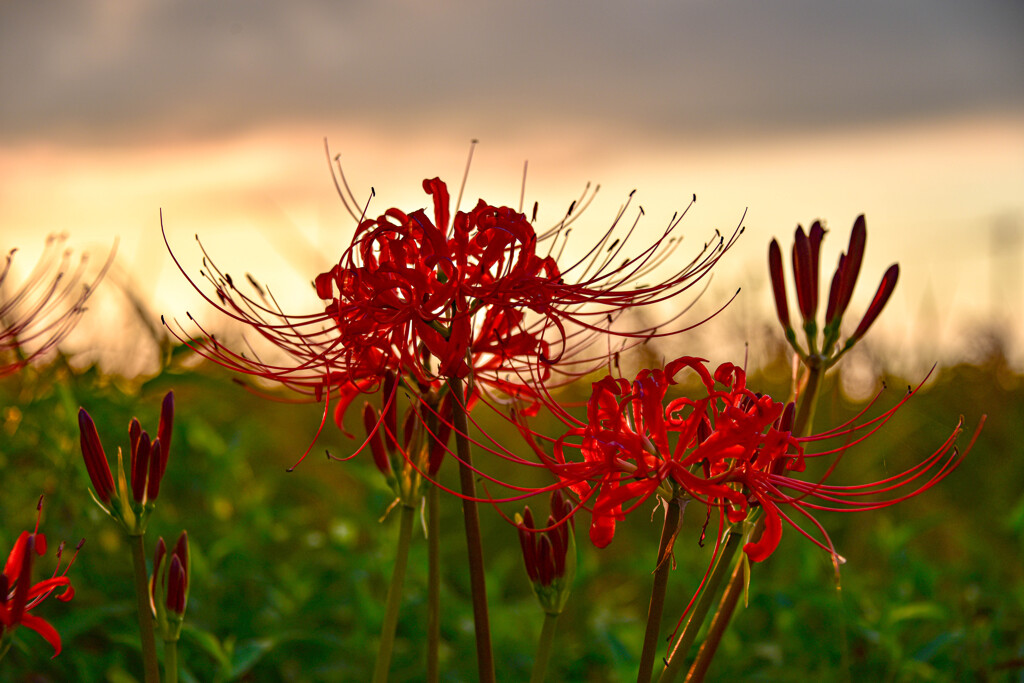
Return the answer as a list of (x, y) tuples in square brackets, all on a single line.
[(433, 584), (669, 532), (474, 542), (724, 565), (394, 597)]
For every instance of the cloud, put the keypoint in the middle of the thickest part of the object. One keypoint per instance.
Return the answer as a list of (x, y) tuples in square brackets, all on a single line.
[(113, 72)]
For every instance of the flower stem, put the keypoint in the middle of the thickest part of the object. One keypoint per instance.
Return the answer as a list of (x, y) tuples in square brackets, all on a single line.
[(547, 638), (433, 583), (394, 599), (808, 398), (673, 519), (170, 661), (460, 422), (726, 607), (146, 631), (5, 643), (678, 656)]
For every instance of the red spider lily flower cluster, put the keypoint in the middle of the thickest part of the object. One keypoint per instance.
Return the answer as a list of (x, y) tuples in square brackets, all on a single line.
[(132, 499), (37, 315), (18, 595), (729, 449), (169, 586), (431, 297), (549, 553), (806, 252)]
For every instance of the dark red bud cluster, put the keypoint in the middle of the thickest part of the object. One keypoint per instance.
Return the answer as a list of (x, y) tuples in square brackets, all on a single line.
[(806, 267), (148, 459), (544, 552), (172, 582)]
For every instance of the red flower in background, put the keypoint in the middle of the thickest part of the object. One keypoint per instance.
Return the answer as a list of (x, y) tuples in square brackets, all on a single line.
[(39, 313), (19, 596), (730, 449)]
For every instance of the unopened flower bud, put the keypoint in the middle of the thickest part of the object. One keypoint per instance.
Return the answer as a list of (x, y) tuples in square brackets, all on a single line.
[(95, 459)]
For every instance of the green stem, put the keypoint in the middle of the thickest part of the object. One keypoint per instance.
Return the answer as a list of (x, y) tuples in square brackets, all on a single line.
[(460, 422), (673, 519), (808, 398), (547, 638), (394, 599), (170, 661), (685, 641), (5, 642), (730, 598), (433, 583), (146, 631)]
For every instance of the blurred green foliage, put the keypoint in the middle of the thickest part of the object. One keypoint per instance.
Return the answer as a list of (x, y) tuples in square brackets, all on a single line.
[(290, 570)]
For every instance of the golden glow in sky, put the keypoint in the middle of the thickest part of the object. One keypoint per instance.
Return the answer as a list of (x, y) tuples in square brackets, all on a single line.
[(263, 203)]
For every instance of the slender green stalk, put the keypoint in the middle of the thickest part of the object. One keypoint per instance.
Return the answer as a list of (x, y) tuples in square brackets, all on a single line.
[(460, 422), (808, 399), (678, 656), (726, 607), (146, 630), (433, 583), (547, 638), (394, 599), (170, 661), (673, 518), (5, 645)]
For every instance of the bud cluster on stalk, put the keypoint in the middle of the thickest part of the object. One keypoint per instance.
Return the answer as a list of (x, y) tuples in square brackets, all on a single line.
[(549, 553), (132, 498), (168, 587), (806, 254), (404, 455)]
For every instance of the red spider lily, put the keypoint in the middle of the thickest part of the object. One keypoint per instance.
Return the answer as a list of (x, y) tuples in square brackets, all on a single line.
[(436, 296), (18, 595), (806, 251), (730, 449), (134, 496), (37, 315)]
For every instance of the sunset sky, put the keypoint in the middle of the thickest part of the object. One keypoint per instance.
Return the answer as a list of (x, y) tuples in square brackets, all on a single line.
[(909, 112)]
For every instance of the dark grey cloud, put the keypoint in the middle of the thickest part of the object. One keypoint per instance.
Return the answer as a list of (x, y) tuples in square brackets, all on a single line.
[(123, 72)]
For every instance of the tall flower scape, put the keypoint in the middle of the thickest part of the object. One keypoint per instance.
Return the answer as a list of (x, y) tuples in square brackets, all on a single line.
[(433, 314)]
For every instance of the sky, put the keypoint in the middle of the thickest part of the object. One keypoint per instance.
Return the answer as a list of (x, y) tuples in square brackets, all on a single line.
[(771, 113)]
